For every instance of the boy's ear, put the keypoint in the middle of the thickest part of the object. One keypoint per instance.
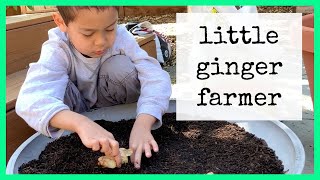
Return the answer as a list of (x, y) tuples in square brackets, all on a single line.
[(59, 21)]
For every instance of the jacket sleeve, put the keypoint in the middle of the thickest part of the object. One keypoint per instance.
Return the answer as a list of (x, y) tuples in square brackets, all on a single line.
[(155, 82), (42, 93)]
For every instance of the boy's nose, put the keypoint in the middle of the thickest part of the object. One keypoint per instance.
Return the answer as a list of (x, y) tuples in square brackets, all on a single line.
[(100, 41)]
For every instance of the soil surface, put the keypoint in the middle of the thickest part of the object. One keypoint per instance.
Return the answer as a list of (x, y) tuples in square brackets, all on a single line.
[(191, 147)]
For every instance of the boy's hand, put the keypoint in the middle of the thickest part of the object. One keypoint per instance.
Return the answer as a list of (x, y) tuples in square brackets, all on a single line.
[(95, 137), (141, 139)]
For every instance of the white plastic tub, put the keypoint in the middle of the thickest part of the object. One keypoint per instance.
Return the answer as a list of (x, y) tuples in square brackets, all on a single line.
[(279, 137)]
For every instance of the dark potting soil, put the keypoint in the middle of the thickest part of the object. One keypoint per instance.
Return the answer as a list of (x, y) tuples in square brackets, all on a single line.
[(184, 147)]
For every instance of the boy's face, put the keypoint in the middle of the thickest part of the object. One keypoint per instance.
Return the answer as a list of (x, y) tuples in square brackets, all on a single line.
[(92, 32)]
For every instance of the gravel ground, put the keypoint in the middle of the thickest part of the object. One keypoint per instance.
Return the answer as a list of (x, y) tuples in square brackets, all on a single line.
[(276, 9)]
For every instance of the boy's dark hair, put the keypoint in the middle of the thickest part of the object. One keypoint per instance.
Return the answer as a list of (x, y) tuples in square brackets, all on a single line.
[(69, 13)]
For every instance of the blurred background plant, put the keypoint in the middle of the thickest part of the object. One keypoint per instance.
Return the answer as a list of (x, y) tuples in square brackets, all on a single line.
[(17, 10)]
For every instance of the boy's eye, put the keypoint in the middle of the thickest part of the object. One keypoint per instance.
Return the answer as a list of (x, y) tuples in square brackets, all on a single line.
[(109, 30), (87, 35)]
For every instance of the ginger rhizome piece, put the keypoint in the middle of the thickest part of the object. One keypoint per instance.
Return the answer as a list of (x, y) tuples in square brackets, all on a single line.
[(109, 161)]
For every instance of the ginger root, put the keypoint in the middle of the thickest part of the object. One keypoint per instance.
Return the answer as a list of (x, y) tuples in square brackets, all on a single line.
[(109, 161)]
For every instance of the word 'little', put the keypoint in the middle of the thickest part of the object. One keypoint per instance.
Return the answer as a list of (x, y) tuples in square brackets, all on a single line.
[(217, 36)]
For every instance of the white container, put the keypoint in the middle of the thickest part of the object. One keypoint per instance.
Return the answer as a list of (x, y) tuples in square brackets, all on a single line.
[(278, 136)]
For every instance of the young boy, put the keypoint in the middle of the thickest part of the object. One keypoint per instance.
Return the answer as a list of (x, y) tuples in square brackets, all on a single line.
[(90, 61)]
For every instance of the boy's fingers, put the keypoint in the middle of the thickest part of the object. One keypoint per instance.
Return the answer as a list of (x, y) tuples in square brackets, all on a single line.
[(114, 147), (110, 135), (105, 148), (118, 161), (95, 145), (133, 148), (147, 150), (137, 157), (132, 156), (115, 151), (154, 145)]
